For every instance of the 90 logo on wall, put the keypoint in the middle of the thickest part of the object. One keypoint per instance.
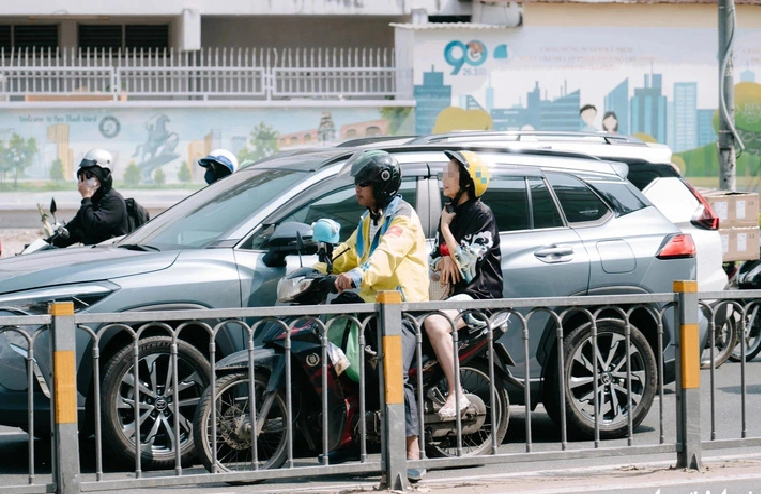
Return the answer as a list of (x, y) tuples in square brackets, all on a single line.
[(457, 54)]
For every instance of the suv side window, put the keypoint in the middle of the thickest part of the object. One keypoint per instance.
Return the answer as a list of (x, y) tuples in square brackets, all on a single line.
[(521, 203), (580, 204), (508, 200), (339, 205), (545, 210)]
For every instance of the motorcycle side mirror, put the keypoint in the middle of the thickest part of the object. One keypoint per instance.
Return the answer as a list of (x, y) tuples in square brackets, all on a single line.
[(53, 206)]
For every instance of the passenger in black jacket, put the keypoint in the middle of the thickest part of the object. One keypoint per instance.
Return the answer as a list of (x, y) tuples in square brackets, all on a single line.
[(103, 213), (467, 255)]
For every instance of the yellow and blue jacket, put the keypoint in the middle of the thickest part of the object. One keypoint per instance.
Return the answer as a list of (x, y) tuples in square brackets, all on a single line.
[(396, 259)]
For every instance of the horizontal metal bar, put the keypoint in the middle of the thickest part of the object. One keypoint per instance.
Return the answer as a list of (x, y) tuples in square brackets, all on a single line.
[(28, 489), (181, 315), (725, 294), (523, 457), (207, 478), (335, 70), (580, 301), (730, 443), (25, 320), (189, 68)]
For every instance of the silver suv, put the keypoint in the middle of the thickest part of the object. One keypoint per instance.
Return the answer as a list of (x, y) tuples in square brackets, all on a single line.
[(570, 225)]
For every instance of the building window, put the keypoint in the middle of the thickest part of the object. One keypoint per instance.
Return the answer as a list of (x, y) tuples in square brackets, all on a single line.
[(5, 37), (124, 37), (36, 37), (307, 139)]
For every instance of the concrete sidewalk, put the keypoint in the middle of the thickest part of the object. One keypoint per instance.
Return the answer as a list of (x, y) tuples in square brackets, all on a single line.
[(524, 478)]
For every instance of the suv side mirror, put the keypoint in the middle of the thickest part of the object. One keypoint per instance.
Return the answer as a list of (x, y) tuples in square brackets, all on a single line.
[(289, 238)]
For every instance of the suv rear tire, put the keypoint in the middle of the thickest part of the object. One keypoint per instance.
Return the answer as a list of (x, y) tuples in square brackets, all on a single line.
[(611, 378)]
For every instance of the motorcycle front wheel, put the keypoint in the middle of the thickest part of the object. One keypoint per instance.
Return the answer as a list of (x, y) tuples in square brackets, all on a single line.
[(474, 380), (234, 426)]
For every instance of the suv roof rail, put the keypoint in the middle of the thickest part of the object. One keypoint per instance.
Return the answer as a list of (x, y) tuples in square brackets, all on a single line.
[(605, 165), (532, 135), (364, 141)]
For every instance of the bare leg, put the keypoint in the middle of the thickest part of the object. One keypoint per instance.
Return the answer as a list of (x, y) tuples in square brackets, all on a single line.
[(413, 449), (439, 332)]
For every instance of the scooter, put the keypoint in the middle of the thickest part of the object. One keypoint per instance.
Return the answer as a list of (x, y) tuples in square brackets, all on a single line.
[(228, 446), (748, 277), (53, 231)]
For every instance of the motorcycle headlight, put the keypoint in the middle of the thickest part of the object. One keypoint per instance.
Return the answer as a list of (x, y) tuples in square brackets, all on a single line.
[(290, 288), (35, 302)]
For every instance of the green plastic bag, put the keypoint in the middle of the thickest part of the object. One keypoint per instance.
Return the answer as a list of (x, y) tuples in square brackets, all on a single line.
[(345, 335)]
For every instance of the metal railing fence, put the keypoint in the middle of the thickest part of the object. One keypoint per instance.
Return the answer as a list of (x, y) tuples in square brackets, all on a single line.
[(164, 342), (207, 74)]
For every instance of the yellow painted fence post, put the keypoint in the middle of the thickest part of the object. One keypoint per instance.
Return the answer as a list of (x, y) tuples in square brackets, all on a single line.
[(64, 398), (688, 374), (394, 452)]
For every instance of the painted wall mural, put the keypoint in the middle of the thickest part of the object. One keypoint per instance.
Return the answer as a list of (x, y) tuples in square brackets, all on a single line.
[(47, 145), (655, 83)]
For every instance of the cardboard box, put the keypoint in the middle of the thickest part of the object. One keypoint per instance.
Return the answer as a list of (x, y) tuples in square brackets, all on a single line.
[(740, 244), (734, 208)]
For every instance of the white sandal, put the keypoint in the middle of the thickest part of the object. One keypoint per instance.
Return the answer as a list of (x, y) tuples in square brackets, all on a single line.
[(447, 412)]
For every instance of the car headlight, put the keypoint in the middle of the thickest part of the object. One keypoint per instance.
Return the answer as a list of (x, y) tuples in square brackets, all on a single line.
[(35, 301)]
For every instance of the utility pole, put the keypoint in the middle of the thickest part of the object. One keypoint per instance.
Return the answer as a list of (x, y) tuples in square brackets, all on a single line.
[(727, 178)]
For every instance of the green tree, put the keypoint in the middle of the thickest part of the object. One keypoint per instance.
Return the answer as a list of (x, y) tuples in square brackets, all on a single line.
[(399, 120), (5, 161), (159, 177), (264, 141), (16, 156), (132, 175), (56, 170), (747, 123), (184, 175)]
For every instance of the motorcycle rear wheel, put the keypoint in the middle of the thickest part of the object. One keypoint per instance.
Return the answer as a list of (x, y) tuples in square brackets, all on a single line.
[(474, 379), (725, 340), (233, 437), (752, 337)]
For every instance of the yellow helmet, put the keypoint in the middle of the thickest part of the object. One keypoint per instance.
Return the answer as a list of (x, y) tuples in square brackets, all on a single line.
[(478, 170)]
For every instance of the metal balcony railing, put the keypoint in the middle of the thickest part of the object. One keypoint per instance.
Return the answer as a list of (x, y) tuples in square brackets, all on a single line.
[(208, 74)]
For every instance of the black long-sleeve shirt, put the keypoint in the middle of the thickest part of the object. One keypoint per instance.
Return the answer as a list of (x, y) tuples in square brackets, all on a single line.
[(478, 255), (98, 219)]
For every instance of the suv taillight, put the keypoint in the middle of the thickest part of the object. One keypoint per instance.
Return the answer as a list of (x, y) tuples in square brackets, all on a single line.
[(678, 246), (704, 217)]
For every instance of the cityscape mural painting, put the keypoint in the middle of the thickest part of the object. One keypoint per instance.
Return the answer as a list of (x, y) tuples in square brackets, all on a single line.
[(660, 84), (46, 145)]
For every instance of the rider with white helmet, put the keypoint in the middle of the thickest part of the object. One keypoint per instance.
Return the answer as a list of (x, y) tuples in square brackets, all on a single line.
[(219, 164), (102, 213)]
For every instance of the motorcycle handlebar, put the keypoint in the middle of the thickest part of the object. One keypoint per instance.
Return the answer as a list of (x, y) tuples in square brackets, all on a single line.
[(328, 283)]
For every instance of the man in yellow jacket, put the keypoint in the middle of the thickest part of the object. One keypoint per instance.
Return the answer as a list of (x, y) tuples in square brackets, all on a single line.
[(387, 251)]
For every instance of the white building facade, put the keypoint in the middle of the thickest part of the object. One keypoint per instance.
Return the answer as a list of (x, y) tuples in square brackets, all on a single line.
[(163, 83)]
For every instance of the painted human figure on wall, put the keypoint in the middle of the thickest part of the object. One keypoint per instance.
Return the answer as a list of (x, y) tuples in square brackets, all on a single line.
[(588, 114), (610, 122)]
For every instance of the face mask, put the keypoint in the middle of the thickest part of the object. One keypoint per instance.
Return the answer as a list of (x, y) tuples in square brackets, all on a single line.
[(91, 182), (209, 176)]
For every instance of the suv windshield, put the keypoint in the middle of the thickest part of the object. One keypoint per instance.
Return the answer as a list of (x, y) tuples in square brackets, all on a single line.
[(202, 219)]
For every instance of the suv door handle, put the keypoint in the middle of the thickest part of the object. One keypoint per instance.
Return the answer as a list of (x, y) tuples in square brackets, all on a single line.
[(554, 253)]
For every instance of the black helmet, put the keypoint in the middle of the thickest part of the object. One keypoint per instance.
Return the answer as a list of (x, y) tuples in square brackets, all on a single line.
[(378, 168)]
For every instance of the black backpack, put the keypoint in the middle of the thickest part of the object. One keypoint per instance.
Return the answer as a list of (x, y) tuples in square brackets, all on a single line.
[(136, 215)]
